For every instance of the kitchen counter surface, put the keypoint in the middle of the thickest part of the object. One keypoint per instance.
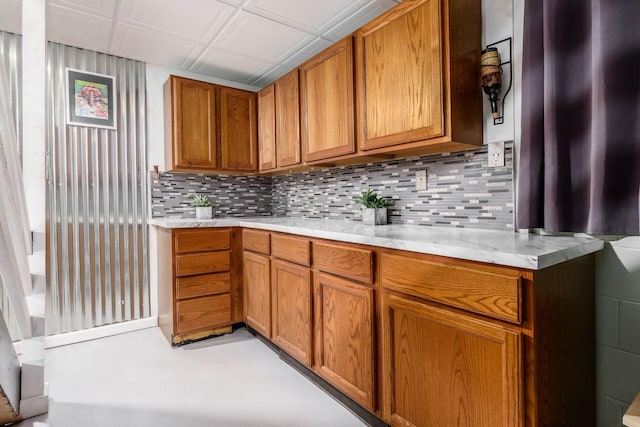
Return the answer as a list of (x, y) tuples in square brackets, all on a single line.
[(528, 251), (632, 416)]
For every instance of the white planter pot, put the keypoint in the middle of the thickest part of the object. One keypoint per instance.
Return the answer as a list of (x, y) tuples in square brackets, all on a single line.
[(374, 216), (203, 212)]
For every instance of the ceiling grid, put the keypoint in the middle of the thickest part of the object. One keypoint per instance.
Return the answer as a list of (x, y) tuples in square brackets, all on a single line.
[(252, 42)]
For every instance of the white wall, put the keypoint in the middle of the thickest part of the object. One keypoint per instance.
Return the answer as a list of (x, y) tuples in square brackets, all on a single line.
[(498, 24)]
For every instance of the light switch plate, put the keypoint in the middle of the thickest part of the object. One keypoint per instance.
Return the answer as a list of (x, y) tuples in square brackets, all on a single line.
[(421, 180), (496, 154)]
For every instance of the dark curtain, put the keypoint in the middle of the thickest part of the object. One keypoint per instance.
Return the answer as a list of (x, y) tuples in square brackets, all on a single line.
[(580, 151)]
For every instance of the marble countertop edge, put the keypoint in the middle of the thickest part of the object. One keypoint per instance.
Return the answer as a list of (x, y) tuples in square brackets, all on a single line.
[(512, 249)]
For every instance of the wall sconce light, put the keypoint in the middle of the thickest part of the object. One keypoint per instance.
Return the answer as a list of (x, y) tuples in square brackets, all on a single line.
[(491, 70)]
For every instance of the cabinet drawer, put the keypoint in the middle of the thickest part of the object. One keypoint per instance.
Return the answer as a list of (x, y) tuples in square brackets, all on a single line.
[(352, 263), (292, 249), (202, 284), (201, 240), (256, 241), (493, 293), (200, 263), (203, 312)]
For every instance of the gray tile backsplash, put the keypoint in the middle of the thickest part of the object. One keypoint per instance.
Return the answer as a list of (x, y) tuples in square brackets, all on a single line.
[(461, 192), (230, 195)]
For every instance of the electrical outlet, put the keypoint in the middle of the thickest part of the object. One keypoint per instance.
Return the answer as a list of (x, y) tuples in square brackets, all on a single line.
[(496, 154), (421, 180)]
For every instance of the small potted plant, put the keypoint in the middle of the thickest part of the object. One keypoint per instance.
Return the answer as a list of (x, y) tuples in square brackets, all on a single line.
[(203, 207), (374, 211)]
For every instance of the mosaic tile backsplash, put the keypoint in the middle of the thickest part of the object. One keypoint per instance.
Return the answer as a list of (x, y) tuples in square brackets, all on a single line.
[(230, 195), (461, 192)]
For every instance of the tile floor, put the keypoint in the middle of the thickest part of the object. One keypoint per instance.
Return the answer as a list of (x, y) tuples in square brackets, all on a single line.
[(138, 380)]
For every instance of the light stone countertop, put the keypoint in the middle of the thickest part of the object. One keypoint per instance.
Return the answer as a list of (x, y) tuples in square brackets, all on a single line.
[(528, 251), (632, 416)]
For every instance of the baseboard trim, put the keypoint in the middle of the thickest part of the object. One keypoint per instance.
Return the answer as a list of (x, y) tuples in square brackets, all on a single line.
[(94, 333)]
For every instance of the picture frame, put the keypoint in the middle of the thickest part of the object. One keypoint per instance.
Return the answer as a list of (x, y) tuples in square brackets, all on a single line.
[(90, 99)]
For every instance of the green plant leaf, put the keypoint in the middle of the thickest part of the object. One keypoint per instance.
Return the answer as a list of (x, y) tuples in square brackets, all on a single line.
[(201, 201), (370, 199)]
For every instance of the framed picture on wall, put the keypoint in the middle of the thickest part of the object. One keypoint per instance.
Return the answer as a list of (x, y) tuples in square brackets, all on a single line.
[(90, 99)]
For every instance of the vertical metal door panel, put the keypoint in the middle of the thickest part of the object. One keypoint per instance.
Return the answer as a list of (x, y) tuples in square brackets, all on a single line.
[(11, 60), (98, 269)]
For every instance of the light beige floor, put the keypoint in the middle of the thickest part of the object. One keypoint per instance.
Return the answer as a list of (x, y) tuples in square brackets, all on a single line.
[(137, 379)]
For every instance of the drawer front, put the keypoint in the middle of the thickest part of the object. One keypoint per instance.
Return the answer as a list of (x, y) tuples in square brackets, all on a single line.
[(203, 312), (256, 241), (201, 263), (495, 294), (352, 263), (294, 249), (201, 240), (202, 284)]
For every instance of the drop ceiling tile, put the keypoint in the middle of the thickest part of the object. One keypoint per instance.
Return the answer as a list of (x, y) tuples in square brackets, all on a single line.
[(308, 51), (315, 16), (270, 76), (230, 66), (103, 8), (78, 28), (195, 20), (154, 47), (372, 10), (11, 16), (257, 37), (232, 2)]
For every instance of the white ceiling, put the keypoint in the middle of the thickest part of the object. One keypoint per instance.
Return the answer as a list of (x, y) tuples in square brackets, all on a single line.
[(248, 41)]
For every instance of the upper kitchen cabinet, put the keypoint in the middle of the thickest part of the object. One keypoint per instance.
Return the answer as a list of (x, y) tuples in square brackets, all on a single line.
[(190, 125), (287, 96), (267, 128), (209, 128), (417, 84), (327, 109), (239, 139)]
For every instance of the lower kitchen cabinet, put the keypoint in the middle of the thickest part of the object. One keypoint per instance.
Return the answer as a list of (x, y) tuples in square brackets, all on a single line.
[(444, 368), (414, 339), (257, 292), (199, 288), (344, 337), (291, 301)]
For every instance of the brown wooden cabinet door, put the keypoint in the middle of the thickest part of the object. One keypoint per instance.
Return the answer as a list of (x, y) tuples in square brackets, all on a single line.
[(344, 352), (238, 130), (288, 119), (326, 103), (443, 368), (194, 124), (257, 292), (267, 128), (291, 301), (399, 63)]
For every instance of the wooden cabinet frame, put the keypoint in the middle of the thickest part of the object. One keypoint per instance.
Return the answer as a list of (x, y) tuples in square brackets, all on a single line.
[(199, 282), (209, 128), (512, 357)]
